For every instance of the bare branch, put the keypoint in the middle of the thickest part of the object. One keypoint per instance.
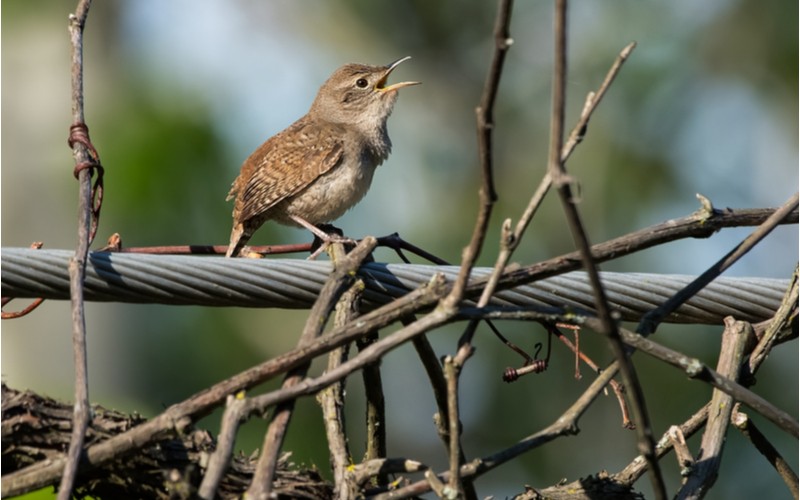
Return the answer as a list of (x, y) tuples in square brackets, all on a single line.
[(562, 182), (592, 101), (331, 399), (651, 320), (85, 161), (221, 458), (343, 275), (511, 240), (454, 486), (782, 319), (566, 424), (704, 472), (376, 409), (695, 369), (485, 123), (748, 428)]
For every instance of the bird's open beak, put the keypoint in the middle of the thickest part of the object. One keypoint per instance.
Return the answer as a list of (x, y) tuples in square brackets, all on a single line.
[(380, 86)]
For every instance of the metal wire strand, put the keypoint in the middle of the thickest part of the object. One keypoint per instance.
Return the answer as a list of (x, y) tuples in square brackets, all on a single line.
[(294, 284)]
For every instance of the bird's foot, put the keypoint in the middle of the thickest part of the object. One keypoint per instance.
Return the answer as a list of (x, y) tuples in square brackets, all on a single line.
[(326, 235)]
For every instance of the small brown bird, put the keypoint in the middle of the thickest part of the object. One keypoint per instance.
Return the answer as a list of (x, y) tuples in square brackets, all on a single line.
[(321, 165)]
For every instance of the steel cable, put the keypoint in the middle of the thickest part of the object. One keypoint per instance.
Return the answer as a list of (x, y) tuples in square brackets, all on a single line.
[(294, 284)]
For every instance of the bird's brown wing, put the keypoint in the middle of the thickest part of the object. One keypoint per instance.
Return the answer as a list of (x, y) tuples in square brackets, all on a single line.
[(282, 167)]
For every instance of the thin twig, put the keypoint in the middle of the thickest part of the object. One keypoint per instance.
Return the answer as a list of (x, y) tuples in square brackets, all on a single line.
[(615, 386), (575, 137), (77, 264), (365, 471), (748, 428), (485, 124), (220, 460), (484, 115), (393, 241), (562, 182), (36, 245), (435, 375), (592, 101), (396, 243), (376, 409), (565, 424), (439, 386), (638, 466), (682, 454), (435, 485), (780, 321), (22, 312), (695, 369), (555, 165), (215, 249), (487, 196)]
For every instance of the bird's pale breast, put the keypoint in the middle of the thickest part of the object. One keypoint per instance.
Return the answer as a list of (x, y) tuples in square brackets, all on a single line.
[(332, 194)]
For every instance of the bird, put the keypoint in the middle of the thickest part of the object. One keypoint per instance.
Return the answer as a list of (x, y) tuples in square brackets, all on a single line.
[(320, 166)]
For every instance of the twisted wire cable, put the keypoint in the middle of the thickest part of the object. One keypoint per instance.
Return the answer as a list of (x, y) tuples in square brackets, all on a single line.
[(294, 284)]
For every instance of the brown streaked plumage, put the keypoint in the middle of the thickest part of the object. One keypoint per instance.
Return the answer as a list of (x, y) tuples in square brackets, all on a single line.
[(316, 169)]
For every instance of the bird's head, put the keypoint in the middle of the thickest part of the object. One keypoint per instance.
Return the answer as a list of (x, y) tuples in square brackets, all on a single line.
[(358, 95)]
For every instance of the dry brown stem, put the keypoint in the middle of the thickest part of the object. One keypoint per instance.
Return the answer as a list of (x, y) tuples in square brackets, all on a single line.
[(608, 325), (82, 153), (332, 399), (342, 277), (704, 472)]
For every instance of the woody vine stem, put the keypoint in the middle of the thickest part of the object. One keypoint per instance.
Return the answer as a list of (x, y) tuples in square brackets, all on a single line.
[(89, 199)]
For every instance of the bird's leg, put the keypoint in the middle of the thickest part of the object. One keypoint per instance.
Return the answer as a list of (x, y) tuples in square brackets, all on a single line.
[(319, 233), (325, 238)]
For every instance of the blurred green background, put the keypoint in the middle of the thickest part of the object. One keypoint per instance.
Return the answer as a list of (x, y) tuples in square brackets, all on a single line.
[(178, 94)]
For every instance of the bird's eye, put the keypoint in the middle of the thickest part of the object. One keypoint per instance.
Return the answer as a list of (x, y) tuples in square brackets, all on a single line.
[(362, 83)]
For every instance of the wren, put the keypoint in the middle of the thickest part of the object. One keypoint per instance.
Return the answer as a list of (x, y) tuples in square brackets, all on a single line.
[(321, 165)]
